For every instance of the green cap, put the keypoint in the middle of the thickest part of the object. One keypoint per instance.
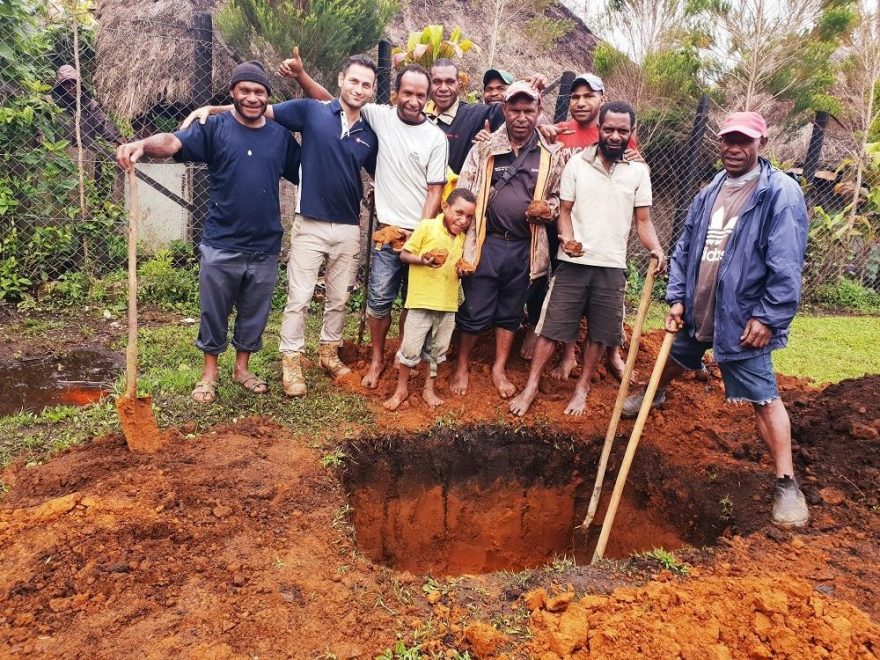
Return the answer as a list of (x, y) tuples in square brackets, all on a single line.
[(491, 74)]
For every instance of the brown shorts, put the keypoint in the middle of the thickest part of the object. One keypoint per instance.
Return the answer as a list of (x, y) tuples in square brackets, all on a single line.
[(575, 290)]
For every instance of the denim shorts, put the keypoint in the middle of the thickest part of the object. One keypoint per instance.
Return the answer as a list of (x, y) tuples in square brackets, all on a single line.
[(751, 380), (388, 277)]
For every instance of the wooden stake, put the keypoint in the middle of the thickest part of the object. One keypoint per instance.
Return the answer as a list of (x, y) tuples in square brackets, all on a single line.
[(632, 445), (131, 349), (622, 392)]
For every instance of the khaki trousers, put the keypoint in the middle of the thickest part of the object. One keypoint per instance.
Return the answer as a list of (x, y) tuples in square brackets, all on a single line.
[(311, 242)]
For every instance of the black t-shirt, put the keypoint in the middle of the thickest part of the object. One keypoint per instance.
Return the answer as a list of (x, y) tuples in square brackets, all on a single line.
[(469, 119), (245, 165), (507, 211)]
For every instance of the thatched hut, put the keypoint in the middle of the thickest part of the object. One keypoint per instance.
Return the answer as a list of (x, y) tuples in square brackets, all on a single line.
[(146, 55)]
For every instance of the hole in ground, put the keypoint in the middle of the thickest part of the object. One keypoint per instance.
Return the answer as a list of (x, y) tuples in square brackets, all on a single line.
[(488, 498)]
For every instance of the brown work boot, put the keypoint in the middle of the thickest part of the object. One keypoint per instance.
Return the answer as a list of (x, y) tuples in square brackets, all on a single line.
[(328, 358), (292, 374)]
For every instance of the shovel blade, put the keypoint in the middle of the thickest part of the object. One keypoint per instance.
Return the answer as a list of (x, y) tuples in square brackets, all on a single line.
[(139, 424)]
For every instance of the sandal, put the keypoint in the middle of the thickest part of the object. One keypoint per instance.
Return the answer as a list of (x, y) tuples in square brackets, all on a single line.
[(253, 384), (205, 391)]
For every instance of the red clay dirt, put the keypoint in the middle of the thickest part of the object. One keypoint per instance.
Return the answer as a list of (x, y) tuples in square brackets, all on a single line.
[(237, 543)]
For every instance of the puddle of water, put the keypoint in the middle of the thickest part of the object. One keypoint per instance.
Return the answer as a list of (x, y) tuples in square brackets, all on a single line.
[(77, 378)]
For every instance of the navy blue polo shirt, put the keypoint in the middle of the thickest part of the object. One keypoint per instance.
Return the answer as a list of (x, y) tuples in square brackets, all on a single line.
[(331, 187), (245, 164)]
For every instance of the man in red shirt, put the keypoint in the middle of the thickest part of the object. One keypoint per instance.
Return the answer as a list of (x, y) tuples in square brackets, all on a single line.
[(581, 131)]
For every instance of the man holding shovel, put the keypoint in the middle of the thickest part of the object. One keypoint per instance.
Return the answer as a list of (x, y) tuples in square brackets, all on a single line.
[(600, 194), (337, 144), (246, 155), (734, 286)]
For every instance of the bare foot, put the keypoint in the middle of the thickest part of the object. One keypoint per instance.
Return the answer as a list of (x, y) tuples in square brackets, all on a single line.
[(505, 388), (527, 350), (520, 405), (616, 366), (578, 402), (460, 380), (429, 397), (371, 380), (563, 370), (396, 399)]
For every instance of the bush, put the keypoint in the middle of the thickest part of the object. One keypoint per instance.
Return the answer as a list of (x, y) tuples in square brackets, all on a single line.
[(849, 295), (163, 284)]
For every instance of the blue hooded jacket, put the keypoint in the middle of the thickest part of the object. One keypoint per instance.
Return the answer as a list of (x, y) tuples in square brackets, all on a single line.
[(760, 272)]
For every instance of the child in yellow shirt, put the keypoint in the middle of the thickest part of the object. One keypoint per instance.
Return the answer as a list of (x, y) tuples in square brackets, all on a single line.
[(432, 291)]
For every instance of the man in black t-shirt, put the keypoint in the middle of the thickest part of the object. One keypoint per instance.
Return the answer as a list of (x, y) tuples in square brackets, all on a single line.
[(246, 155)]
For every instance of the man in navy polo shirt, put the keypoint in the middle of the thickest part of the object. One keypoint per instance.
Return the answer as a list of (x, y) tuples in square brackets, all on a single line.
[(336, 145), (246, 155)]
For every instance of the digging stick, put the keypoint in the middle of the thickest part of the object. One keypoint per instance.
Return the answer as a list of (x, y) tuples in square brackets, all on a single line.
[(622, 392), (371, 222), (632, 445)]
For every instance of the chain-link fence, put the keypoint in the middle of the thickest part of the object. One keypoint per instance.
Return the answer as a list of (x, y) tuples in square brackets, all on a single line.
[(63, 200)]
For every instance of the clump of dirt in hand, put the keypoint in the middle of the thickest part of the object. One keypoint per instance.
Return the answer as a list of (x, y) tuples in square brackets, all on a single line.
[(438, 257), (392, 235), (573, 248), (539, 212), (465, 267)]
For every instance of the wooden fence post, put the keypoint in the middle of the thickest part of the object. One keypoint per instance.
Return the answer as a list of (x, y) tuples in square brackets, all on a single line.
[(203, 91), (689, 169), (561, 111), (383, 81)]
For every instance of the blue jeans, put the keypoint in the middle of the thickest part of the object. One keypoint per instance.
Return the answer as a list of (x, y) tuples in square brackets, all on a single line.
[(751, 380), (388, 278)]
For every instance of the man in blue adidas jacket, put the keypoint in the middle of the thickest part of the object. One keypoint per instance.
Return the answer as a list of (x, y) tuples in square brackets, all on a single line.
[(734, 287)]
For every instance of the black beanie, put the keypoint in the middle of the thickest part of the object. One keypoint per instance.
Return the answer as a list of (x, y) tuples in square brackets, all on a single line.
[(251, 71)]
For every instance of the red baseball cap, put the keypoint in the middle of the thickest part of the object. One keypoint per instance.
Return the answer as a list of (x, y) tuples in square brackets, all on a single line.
[(747, 123)]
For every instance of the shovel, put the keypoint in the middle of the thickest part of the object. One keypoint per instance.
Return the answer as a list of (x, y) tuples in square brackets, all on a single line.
[(363, 310), (135, 412), (622, 392), (633, 444)]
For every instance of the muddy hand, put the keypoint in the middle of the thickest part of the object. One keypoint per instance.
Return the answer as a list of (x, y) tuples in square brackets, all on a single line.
[(755, 335)]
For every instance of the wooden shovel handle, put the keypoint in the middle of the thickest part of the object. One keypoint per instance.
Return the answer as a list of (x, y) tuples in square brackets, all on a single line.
[(622, 391), (131, 349)]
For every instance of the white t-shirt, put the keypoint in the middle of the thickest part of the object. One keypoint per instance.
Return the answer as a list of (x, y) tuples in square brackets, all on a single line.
[(411, 156), (604, 203)]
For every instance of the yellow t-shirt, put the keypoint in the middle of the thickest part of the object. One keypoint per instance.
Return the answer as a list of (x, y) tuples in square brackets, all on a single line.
[(434, 288)]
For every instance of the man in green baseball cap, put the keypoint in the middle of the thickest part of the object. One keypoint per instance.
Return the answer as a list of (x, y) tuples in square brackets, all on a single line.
[(495, 82)]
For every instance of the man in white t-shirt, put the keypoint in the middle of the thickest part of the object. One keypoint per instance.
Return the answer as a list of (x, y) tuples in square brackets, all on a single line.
[(410, 175), (599, 192)]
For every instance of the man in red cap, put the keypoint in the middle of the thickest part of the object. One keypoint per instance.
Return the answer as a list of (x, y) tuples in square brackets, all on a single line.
[(734, 286)]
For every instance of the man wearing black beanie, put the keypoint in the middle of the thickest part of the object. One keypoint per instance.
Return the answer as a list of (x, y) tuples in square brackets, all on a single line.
[(246, 155)]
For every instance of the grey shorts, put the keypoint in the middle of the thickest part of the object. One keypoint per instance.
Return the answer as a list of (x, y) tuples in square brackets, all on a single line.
[(592, 291), (426, 336)]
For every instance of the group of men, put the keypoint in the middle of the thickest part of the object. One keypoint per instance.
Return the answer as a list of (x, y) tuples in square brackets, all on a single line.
[(540, 218)]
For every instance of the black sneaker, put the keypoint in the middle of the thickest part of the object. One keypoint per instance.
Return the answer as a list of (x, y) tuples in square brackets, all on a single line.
[(789, 505), (632, 404)]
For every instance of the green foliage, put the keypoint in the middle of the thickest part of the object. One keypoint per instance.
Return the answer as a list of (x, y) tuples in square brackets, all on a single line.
[(163, 283), (847, 294), (607, 59), (402, 652), (543, 32), (426, 46), (668, 560), (326, 31)]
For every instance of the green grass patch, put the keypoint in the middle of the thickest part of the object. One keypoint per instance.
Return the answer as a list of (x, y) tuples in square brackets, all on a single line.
[(169, 366)]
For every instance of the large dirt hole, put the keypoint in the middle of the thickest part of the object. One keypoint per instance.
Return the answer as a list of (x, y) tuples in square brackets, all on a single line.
[(488, 498)]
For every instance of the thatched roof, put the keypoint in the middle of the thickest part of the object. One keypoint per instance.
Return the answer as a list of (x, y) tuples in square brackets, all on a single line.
[(146, 52)]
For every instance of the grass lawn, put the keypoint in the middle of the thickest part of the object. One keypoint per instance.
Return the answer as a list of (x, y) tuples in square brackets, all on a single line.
[(825, 349), (822, 348)]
